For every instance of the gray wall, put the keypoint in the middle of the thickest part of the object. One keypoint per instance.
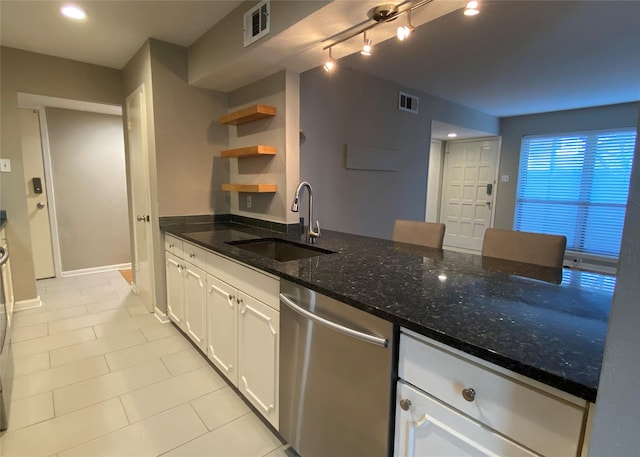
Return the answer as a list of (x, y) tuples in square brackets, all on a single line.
[(351, 108), (188, 137), (513, 129), (33, 73), (271, 131), (617, 420), (87, 159)]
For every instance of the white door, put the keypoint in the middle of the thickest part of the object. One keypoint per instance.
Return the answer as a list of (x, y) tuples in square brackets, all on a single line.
[(175, 289), (426, 427), (222, 327), (258, 335), (195, 297), (468, 191), (37, 208), (140, 198)]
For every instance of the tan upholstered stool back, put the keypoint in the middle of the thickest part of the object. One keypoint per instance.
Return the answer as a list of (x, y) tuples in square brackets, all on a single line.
[(525, 247), (427, 234)]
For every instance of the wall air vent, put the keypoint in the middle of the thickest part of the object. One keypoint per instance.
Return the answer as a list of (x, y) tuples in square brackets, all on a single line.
[(256, 22), (407, 102)]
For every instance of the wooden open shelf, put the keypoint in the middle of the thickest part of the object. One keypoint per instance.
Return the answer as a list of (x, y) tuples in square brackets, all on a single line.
[(250, 114), (257, 188), (250, 151)]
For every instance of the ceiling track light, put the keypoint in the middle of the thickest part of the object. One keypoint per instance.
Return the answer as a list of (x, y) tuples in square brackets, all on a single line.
[(472, 8), (330, 64), (366, 46), (405, 31)]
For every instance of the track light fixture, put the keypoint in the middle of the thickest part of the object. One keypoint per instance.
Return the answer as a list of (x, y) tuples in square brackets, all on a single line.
[(383, 14), (472, 8), (330, 64), (366, 47), (405, 31)]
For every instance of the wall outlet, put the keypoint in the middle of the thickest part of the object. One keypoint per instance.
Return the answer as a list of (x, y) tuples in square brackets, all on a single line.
[(504, 178), (248, 201), (5, 165)]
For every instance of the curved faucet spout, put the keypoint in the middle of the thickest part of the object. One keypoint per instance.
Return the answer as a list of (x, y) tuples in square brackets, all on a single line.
[(312, 233)]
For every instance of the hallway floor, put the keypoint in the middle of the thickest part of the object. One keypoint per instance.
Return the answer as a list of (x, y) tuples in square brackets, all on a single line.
[(97, 375)]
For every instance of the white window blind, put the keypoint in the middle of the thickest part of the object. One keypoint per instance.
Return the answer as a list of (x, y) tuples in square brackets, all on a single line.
[(576, 185)]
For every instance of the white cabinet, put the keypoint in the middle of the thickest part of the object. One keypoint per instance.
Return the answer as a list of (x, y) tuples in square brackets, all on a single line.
[(195, 295), (175, 289), (243, 330), (186, 296), (427, 427), (258, 339), (462, 405), (222, 327)]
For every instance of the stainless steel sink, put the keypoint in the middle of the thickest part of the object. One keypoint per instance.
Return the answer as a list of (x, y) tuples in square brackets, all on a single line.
[(278, 249)]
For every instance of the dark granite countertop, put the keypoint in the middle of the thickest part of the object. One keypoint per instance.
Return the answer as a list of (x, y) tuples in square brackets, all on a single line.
[(549, 325)]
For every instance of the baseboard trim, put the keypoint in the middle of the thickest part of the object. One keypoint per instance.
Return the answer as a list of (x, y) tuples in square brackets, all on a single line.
[(88, 271), (32, 303), (162, 317)]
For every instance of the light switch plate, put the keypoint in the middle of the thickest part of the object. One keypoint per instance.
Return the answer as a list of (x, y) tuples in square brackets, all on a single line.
[(504, 178), (5, 165)]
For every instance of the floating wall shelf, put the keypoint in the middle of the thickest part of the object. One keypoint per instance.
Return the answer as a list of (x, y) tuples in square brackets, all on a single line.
[(250, 114), (256, 188), (250, 151)]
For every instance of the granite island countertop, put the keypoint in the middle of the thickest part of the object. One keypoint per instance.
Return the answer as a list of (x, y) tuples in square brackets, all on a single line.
[(549, 325)]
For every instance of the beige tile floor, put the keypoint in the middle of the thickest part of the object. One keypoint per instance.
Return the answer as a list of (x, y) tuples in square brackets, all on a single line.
[(96, 375)]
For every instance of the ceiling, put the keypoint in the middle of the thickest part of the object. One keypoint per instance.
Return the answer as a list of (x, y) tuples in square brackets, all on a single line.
[(520, 57), (113, 30), (515, 57)]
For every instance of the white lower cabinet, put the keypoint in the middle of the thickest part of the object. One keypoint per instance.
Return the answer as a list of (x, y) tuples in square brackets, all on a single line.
[(427, 427), (186, 297), (451, 403), (175, 288), (195, 296), (258, 347), (222, 327)]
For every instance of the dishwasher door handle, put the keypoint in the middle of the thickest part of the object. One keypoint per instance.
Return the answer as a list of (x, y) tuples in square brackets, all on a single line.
[(383, 342)]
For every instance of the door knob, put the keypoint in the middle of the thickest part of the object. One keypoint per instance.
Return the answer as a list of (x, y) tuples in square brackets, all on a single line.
[(40, 205), (140, 218)]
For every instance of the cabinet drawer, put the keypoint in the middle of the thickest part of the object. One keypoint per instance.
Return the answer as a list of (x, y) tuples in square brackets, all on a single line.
[(257, 284), (173, 245), (426, 427), (543, 423), (195, 255)]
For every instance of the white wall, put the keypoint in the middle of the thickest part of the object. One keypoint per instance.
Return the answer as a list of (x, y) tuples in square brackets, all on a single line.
[(617, 420), (87, 159)]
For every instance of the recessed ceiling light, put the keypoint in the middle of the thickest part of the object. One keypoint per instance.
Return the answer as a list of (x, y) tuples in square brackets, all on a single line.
[(73, 12), (452, 135)]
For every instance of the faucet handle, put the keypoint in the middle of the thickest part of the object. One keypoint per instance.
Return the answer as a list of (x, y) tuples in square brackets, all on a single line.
[(316, 232)]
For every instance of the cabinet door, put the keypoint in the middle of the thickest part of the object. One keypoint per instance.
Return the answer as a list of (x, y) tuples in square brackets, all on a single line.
[(430, 428), (175, 289), (258, 338), (195, 297), (222, 327)]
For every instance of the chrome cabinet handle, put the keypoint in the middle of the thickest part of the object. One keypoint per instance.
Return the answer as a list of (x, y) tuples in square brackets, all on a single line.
[(469, 394), (333, 325), (40, 205)]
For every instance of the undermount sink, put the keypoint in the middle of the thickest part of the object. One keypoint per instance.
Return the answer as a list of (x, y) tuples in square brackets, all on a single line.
[(278, 249)]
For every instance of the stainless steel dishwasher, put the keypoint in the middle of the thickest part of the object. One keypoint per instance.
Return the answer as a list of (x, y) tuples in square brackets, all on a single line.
[(336, 368)]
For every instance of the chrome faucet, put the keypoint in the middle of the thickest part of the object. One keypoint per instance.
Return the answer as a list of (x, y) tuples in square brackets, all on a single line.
[(312, 234)]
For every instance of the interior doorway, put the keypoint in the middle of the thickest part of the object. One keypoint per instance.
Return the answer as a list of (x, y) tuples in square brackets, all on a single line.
[(80, 147), (462, 184)]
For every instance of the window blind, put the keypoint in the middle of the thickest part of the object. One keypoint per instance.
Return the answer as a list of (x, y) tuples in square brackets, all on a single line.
[(576, 185)]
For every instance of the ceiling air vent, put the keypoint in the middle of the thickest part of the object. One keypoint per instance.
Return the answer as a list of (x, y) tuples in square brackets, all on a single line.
[(256, 22), (407, 102)]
